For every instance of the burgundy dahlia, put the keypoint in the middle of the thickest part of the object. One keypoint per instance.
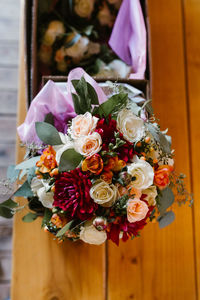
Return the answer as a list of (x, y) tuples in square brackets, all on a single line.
[(72, 194)]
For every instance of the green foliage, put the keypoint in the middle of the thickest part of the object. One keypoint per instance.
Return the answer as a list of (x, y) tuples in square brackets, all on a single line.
[(24, 190), (86, 96), (7, 208), (49, 119), (160, 138), (30, 217), (120, 206), (47, 133), (12, 173), (62, 231), (27, 164), (69, 160), (166, 219), (166, 200), (112, 105), (47, 217)]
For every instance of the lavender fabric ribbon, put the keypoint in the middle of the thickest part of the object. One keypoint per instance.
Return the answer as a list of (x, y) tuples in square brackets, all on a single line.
[(53, 100), (128, 38)]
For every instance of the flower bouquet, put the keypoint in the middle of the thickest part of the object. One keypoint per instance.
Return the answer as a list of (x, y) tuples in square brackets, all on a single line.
[(88, 33), (97, 166)]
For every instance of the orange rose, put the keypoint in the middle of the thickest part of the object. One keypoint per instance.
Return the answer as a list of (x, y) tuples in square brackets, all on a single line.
[(93, 164), (136, 210), (107, 176), (47, 160), (162, 176), (114, 164)]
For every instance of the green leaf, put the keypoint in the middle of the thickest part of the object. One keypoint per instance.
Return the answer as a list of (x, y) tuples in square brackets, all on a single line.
[(69, 160), (88, 30), (6, 208), (47, 217), (166, 219), (166, 200), (77, 107), (30, 217), (49, 118), (47, 133), (12, 173), (160, 138), (31, 174), (62, 231), (112, 105), (28, 164), (24, 191), (92, 94)]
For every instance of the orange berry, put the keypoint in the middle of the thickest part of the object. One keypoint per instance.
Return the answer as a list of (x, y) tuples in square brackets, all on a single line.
[(147, 139), (139, 144), (54, 172), (53, 188)]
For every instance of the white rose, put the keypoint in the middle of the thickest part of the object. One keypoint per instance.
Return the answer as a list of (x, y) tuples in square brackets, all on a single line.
[(151, 193), (78, 49), (89, 234), (131, 126), (83, 125), (88, 145), (39, 188), (104, 194), (46, 198), (84, 8), (54, 29), (67, 144), (143, 173)]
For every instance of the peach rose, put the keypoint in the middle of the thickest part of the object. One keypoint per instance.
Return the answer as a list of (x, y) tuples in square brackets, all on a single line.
[(88, 145), (93, 164), (83, 125), (136, 210), (162, 176)]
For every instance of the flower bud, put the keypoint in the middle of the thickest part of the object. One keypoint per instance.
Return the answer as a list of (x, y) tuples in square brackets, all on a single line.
[(100, 223), (125, 177)]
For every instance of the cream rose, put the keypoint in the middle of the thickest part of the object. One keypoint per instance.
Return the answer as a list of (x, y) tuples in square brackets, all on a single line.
[(130, 126), (136, 210), (89, 234), (142, 172), (103, 193), (67, 144), (54, 29), (84, 8), (88, 145), (151, 193), (83, 125)]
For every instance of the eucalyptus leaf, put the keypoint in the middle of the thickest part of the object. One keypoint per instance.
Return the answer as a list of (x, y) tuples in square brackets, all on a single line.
[(159, 138), (166, 200), (47, 217), (6, 208), (30, 217), (166, 219), (9, 203), (69, 160), (28, 164), (12, 173), (31, 174), (47, 133), (92, 94), (24, 191), (62, 231)]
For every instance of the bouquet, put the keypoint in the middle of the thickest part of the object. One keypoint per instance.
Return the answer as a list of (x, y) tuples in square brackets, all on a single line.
[(100, 171), (78, 33)]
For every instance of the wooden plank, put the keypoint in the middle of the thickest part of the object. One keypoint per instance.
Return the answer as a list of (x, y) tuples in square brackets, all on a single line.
[(8, 53), (192, 33), (8, 102), (160, 264), (8, 76), (53, 271), (7, 128)]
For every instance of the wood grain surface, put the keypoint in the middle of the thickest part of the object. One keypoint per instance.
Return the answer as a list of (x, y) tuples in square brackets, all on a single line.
[(161, 264)]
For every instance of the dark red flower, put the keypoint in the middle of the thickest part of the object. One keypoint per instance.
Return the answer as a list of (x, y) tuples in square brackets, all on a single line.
[(107, 129), (121, 224), (72, 194)]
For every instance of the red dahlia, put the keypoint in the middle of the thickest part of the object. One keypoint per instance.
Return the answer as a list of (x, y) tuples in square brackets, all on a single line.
[(72, 194)]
